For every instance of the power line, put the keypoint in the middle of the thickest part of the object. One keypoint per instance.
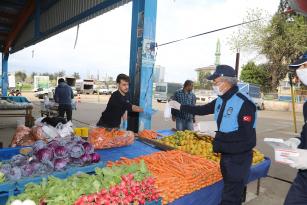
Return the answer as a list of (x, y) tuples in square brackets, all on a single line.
[(212, 31)]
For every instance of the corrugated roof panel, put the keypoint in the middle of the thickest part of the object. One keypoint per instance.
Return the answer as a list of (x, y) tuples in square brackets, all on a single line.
[(63, 15)]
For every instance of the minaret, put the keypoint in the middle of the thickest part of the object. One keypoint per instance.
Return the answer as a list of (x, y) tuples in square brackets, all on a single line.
[(218, 53)]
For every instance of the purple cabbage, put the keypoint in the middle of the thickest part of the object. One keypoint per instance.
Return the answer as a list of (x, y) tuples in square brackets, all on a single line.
[(53, 144), (27, 170), (40, 144), (5, 169), (95, 158), (45, 154), (88, 148), (45, 168), (76, 151), (86, 159), (19, 160), (61, 152), (60, 164), (76, 161), (15, 174), (78, 139)]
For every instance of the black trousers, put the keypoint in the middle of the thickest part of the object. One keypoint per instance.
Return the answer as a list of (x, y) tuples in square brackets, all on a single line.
[(297, 194), (65, 109), (235, 170), (305, 111)]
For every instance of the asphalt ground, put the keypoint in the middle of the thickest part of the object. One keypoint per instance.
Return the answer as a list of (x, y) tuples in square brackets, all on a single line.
[(270, 124)]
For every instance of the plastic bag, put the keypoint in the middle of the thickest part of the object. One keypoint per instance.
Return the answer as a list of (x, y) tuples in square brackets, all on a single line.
[(21, 135), (50, 132), (167, 112), (65, 130), (37, 133), (38, 121), (101, 138)]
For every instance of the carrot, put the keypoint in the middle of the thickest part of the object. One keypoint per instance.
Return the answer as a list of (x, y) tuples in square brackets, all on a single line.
[(174, 169)]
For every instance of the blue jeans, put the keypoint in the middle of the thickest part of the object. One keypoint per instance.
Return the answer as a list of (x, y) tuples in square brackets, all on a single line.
[(182, 124)]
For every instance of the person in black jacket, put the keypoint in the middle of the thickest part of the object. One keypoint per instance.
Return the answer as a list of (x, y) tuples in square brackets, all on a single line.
[(118, 104), (63, 95), (235, 115), (297, 194)]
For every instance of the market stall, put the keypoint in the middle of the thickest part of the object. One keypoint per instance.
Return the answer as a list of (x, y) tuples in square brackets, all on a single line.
[(135, 151), (16, 106)]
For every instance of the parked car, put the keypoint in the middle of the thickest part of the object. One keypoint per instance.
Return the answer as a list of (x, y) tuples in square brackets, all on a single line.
[(49, 92), (104, 91)]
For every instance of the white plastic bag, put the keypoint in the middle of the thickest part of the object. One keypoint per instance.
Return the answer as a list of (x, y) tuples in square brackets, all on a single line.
[(38, 121), (167, 112), (50, 132), (65, 130)]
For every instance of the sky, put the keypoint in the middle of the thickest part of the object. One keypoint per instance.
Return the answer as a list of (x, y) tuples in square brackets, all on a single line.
[(103, 44)]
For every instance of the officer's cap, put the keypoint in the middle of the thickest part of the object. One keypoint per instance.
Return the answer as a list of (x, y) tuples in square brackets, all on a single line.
[(223, 70), (302, 59)]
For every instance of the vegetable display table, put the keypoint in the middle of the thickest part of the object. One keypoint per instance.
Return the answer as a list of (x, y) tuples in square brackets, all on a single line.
[(211, 195), (17, 106)]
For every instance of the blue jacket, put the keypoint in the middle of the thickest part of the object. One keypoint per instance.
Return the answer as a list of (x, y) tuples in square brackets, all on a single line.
[(235, 115), (63, 94)]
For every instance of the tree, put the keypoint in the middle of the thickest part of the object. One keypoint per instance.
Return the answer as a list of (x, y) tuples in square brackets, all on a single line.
[(282, 40), (76, 75), (20, 76), (256, 74), (204, 83)]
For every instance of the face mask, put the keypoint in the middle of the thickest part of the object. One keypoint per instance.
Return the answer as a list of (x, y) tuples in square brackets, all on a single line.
[(217, 90), (302, 75)]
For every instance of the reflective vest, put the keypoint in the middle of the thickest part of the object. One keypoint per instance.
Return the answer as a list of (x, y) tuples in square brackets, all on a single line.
[(229, 122)]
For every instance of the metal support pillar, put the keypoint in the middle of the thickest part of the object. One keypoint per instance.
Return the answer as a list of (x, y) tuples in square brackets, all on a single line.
[(4, 82), (37, 18), (142, 60)]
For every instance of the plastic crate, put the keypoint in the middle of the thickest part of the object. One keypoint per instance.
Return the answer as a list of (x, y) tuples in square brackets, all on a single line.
[(8, 153)]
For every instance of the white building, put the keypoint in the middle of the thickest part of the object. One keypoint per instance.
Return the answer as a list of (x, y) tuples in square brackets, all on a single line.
[(159, 74)]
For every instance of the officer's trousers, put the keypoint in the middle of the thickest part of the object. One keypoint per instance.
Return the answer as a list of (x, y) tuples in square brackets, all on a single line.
[(235, 170), (297, 194)]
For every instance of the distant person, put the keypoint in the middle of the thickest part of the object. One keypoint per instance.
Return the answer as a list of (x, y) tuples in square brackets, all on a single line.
[(63, 95), (118, 104), (185, 96)]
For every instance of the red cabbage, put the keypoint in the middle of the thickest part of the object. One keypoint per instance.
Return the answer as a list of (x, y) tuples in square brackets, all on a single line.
[(19, 160), (95, 158), (89, 149), (5, 168), (53, 144), (60, 164), (40, 144), (61, 152), (76, 161), (86, 159), (45, 168), (76, 151), (27, 170), (15, 174), (45, 154)]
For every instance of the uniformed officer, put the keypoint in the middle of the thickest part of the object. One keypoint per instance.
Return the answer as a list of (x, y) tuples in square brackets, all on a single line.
[(235, 115), (297, 194)]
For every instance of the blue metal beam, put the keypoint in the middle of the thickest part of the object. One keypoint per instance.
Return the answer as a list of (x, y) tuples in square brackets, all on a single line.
[(142, 59), (4, 82)]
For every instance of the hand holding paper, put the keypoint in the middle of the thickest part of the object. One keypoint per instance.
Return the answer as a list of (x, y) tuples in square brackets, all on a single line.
[(293, 142), (300, 161), (174, 104)]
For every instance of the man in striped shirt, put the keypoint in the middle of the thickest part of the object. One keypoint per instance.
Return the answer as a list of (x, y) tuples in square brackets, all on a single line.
[(185, 96)]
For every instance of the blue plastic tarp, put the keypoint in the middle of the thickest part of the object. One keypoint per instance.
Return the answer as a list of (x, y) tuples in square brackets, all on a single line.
[(17, 99)]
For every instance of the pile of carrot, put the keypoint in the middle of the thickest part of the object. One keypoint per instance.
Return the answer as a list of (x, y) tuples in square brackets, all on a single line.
[(149, 134), (177, 173), (101, 138)]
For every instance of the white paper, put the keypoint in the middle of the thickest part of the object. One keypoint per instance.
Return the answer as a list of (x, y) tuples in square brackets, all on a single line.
[(282, 151), (167, 112)]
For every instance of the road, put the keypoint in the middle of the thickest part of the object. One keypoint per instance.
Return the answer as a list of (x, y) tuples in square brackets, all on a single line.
[(269, 124)]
